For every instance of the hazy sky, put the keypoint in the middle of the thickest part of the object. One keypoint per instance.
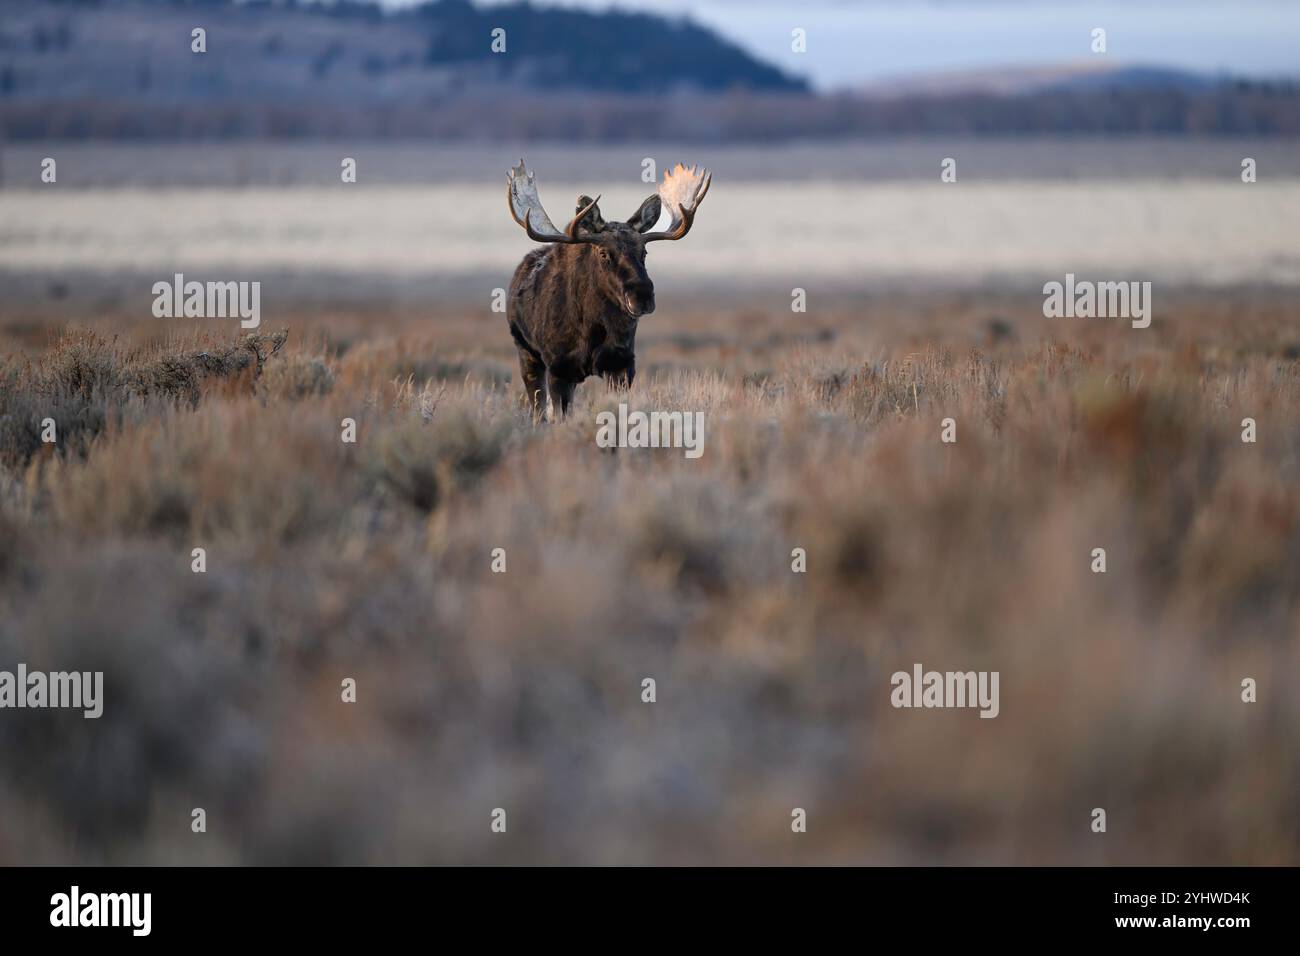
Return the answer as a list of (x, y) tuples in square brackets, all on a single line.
[(856, 41)]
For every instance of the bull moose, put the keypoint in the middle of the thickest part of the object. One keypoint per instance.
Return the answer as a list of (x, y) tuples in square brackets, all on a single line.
[(574, 304)]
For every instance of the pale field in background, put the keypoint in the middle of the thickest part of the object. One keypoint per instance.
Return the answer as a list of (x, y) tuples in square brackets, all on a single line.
[(1196, 230)]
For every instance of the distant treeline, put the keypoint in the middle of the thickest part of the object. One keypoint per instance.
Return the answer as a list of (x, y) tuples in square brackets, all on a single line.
[(127, 69), (732, 117), (359, 53)]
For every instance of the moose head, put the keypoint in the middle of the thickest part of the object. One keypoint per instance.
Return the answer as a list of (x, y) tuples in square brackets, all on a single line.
[(618, 249)]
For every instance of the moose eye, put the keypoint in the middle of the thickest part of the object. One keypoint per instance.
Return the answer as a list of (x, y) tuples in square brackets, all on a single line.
[(603, 255)]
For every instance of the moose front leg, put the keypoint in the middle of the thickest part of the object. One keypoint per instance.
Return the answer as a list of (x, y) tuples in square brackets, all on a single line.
[(533, 372), (561, 391)]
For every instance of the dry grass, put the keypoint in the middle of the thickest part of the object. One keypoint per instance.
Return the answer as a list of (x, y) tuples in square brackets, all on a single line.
[(522, 690)]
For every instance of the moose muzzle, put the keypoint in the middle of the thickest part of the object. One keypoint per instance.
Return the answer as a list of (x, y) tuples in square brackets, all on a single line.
[(639, 299)]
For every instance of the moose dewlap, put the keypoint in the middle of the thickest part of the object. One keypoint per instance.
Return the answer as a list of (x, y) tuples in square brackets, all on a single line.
[(574, 304)]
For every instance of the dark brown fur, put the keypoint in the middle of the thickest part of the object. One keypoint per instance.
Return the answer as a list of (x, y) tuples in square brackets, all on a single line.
[(573, 308)]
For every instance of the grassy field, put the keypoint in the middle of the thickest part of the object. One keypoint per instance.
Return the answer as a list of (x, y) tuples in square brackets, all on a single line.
[(522, 690)]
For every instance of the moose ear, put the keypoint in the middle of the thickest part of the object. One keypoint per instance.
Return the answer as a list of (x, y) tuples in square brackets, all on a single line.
[(643, 219), (592, 221)]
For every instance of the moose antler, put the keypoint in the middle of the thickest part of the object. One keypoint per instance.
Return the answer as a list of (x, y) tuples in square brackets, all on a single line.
[(681, 193), (526, 209)]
